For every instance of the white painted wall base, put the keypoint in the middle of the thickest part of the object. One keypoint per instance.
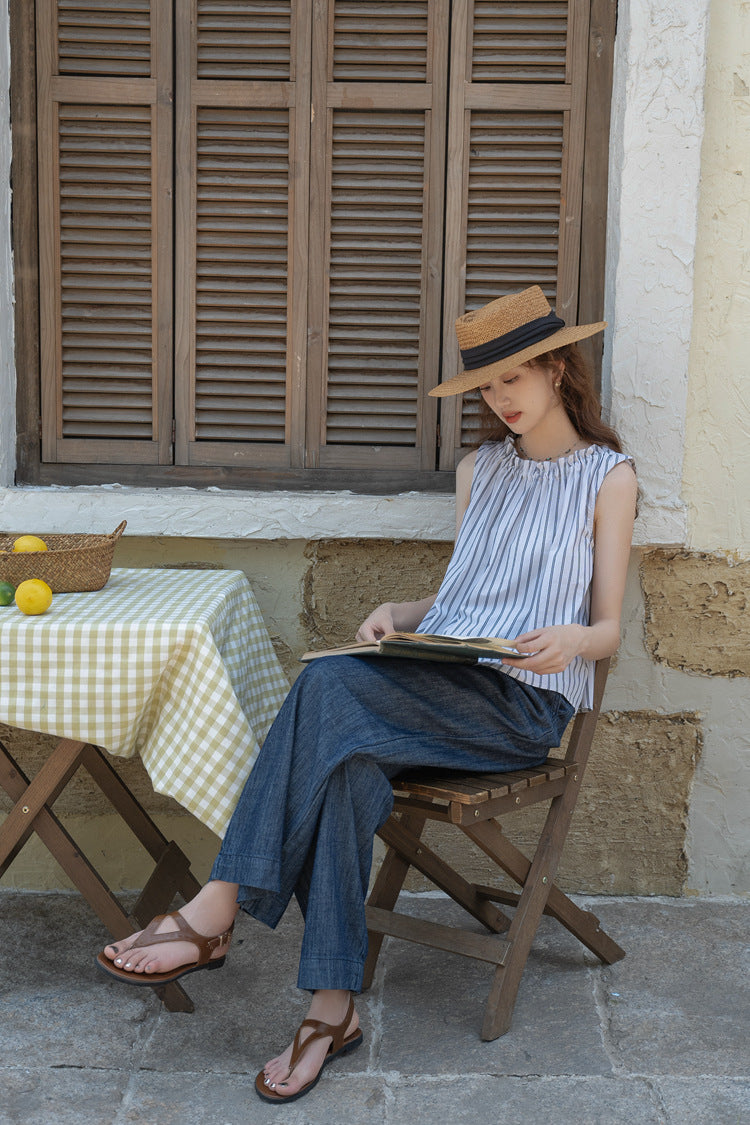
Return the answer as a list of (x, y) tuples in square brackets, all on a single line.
[(214, 513)]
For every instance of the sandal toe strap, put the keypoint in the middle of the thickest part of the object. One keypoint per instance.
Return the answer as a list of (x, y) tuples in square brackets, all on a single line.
[(321, 1030), (183, 932)]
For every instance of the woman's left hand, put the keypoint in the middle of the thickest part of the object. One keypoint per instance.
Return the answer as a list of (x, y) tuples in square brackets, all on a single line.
[(553, 648)]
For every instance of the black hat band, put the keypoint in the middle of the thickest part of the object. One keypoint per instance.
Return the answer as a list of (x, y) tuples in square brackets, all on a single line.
[(503, 346)]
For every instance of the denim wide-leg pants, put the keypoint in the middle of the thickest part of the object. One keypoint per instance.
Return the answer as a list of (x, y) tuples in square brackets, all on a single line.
[(320, 788)]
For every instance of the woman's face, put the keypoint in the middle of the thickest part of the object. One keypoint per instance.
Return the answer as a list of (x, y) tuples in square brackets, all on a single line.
[(524, 397)]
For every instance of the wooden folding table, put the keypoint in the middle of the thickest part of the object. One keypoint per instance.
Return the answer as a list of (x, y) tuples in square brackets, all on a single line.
[(173, 665)]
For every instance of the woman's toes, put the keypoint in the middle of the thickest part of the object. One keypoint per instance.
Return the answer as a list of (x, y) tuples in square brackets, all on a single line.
[(120, 949), (139, 960), (129, 960), (275, 1071)]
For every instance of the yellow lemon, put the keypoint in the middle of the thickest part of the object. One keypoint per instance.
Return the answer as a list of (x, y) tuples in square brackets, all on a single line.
[(33, 596), (6, 593), (29, 543)]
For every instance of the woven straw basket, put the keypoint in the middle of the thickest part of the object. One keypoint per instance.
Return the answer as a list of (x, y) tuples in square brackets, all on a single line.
[(70, 564)]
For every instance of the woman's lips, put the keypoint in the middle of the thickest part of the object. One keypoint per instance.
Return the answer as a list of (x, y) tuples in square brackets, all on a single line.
[(511, 419)]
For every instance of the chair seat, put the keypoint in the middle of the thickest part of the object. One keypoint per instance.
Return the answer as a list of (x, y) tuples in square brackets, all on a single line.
[(465, 797), (474, 788)]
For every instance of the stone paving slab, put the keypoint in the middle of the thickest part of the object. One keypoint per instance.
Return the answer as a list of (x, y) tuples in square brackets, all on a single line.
[(555, 1022), (206, 1099), (677, 1003), (659, 1037), (529, 1101), (700, 1101), (66, 1097)]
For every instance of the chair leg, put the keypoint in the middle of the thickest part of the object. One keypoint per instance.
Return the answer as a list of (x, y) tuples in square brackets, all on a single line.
[(385, 892), (531, 906), (419, 855), (583, 924)]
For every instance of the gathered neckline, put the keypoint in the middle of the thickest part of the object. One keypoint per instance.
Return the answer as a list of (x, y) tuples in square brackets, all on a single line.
[(543, 460), (575, 457)]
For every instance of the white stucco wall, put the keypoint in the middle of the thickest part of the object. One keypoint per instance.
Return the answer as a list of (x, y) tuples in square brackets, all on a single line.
[(657, 130), (717, 457)]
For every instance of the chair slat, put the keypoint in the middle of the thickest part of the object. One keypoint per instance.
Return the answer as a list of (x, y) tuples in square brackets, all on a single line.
[(476, 788), (468, 789)]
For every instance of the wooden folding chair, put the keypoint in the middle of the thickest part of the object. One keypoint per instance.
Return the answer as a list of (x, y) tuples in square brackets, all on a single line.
[(473, 802), (32, 813)]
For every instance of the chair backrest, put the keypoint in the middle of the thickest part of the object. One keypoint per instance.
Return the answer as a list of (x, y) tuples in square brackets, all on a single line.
[(584, 724)]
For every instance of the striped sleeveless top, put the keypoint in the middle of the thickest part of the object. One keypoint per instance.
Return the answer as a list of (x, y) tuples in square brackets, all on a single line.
[(524, 555)]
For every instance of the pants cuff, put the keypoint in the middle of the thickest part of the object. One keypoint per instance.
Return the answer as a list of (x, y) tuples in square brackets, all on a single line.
[(330, 972)]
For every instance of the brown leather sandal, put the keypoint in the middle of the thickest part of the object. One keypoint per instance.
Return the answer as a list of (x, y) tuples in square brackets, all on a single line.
[(184, 932), (342, 1044)]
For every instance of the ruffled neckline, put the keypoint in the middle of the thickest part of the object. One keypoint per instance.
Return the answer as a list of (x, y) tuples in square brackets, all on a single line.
[(524, 464)]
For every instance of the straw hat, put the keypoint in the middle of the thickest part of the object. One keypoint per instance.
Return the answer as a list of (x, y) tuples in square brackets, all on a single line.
[(506, 333)]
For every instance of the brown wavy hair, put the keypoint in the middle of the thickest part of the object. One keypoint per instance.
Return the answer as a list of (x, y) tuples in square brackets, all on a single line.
[(578, 396)]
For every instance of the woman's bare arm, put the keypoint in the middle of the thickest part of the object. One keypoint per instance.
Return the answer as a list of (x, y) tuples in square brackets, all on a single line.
[(554, 647), (464, 477)]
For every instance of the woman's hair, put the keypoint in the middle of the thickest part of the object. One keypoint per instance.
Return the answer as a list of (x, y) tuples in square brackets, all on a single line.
[(578, 396)]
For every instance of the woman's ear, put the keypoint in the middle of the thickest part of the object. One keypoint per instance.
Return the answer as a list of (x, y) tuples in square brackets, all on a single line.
[(557, 370)]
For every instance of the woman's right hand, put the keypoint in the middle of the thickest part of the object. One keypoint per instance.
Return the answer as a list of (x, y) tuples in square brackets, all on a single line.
[(377, 624), (394, 617)]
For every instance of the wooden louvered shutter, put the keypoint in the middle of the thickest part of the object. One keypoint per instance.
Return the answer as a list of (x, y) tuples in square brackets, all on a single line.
[(515, 158), (105, 165), (377, 151), (242, 198)]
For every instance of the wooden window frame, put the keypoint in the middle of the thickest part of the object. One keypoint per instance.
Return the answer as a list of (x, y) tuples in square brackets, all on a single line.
[(25, 234)]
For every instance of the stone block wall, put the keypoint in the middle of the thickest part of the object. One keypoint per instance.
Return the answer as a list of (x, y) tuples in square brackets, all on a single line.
[(630, 829), (696, 611)]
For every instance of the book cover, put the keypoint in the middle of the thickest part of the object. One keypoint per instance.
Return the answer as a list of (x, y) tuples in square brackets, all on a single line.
[(424, 646)]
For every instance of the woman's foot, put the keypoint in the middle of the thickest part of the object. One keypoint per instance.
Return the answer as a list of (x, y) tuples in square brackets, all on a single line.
[(283, 1077), (210, 914)]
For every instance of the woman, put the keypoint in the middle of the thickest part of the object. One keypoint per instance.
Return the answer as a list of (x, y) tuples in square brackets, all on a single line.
[(545, 510)]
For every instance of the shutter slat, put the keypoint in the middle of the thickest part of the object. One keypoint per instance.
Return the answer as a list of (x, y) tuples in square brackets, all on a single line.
[(247, 41), (519, 42), (496, 168), (235, 308), (104, 172), (94, 39), (381, 155), (377, 42), (378, 139), (515, 171), (241, 251), (513, 208), (99, 263)]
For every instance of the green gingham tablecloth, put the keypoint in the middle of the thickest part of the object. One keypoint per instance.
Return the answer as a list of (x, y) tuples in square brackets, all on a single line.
[(173, 665)]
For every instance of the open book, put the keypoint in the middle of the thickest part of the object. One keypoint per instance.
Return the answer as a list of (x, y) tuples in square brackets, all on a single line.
[(424, 646)]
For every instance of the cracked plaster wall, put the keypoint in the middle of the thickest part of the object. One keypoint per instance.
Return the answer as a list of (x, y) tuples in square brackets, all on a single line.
[(717, 454), (657, 130), (696, 612)]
